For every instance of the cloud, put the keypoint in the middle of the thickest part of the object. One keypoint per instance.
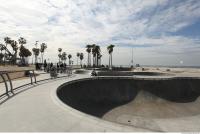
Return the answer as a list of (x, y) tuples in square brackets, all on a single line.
[(71, 24)]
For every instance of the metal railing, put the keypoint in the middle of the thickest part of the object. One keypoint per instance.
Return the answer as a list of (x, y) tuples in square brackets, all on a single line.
[(6, 79)]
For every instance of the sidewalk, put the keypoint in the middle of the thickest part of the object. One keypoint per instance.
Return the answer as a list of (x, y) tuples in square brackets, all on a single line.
[(37, 109)]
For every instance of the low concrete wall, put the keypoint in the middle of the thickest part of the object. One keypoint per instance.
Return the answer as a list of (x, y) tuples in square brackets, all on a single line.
[(14, 75), (98, 95), (15, 71), (81, 71), (129, 73)]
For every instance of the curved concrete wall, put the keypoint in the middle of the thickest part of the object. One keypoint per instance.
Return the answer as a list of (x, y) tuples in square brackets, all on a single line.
[(98, 95)]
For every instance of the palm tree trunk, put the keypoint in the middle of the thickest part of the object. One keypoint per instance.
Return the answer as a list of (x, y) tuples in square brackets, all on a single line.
[(93, 61), (35, 59), (100, 61), (15, 61), (88, 58), (32, 59), (96, 60), (111, 60)]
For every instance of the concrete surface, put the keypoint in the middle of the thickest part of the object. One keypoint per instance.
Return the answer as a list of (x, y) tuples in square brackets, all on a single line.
[(37, 108)]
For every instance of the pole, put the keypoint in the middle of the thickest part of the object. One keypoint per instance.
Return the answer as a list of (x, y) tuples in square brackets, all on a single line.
[(132, 57)]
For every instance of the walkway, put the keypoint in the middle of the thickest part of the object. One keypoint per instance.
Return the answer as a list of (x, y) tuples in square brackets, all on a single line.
[(36, 108)]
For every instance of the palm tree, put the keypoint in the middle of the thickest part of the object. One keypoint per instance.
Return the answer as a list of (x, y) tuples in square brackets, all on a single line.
[(14, 45), (88, 50), (7, 40), (78, 55), (1, 47), (1, 55), (59, 55), (81, 58), (110, 50), (64, 57), (69, 56), (94, 54), (36, 52), (15, 48), (99, 59), (98, 52), (43, 46), (22, 41)]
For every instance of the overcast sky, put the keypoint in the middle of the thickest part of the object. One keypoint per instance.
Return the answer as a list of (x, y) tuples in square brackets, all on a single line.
[(161, 32)]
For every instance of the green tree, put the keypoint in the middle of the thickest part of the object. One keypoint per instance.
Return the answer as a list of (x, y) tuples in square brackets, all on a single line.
[(24, 52)]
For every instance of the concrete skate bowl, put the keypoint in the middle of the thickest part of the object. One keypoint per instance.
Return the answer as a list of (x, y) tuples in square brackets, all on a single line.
[(121, 100), (130, 73)]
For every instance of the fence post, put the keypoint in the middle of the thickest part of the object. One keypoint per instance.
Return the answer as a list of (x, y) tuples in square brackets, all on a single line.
[(5, 83), (34, 76), (31, 76), (11, 86)]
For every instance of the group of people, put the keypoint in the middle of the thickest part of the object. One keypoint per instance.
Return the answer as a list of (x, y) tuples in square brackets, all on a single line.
[(47, 67), (61, 67), (55, 69)]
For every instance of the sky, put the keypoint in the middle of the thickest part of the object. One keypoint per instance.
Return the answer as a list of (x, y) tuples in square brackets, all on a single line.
[(160, 32)]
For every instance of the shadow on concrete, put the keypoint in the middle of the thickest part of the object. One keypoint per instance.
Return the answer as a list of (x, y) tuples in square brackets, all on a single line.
[(26, 87)]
